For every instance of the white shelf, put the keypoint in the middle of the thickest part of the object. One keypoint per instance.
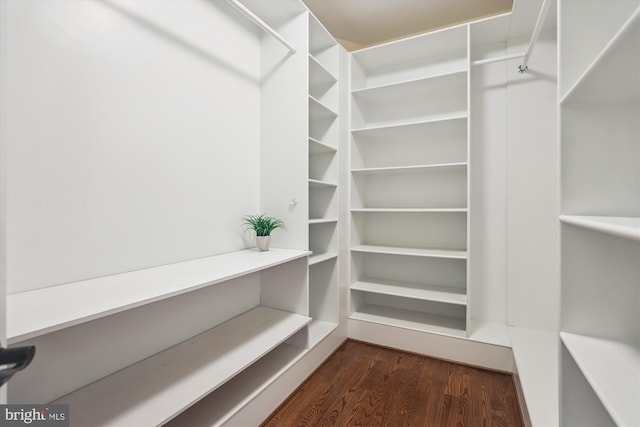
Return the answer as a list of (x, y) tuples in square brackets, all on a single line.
[(319, 330), (410, 210), (536, 356), (319, 147), (613, 371), (38, 312), (627, 227), (444, 294), (392, 250), (413, 168), (318, 183), (319, 111), (322, 221), (316, 259), (409, 319), (496, 333), (153, 391), (318, 74), (613, 75), (452, 122)]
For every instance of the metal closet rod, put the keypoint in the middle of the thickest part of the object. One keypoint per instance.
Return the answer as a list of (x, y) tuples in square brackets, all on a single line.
[(260, 23), (522, 68)]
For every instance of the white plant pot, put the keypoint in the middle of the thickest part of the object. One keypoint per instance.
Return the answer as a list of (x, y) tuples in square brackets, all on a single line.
[(263, 242)]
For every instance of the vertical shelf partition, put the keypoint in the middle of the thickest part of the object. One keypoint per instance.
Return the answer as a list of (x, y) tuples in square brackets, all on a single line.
[(409, 187), (323, 180), (600, 221)]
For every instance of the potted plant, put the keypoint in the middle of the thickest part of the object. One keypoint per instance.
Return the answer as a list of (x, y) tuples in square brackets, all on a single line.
[(263, 226)]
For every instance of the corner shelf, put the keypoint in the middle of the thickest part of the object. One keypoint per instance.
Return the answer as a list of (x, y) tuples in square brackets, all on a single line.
[(138, 395), (318, 183), (322, 221), (609, 367), (627, 227), (319, 111), (34, 313), (319, 147), (316, 259)]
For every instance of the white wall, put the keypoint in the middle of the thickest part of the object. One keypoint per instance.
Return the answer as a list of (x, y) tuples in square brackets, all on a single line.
[(132, 134), (533, 274)]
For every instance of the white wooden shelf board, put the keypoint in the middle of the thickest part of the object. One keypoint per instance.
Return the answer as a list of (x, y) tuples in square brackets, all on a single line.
[(156, 389), (536, 356), (414, 320), (627, 227), (319, 330), (393, 250), (613, 74), (410, 210), (317, 110), (409, 88), (318, 73), (319, 147), (315, 259), (444, 294), (613, 371), (441, 124), (413, 168), (322, 221), (220, 405), (496, 333), (37, 312), (318, 183)]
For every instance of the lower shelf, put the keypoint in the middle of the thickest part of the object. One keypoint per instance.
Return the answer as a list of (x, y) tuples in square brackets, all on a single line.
[(315, 259), (139, 396), (318, 330), (613, 371), (445, 294), (409, 319), (393, 250), (536, 356)]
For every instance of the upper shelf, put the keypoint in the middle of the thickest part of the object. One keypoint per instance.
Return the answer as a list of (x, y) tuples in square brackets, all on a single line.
[(626, 227), (415, 168), (38, 312), (613, 75)]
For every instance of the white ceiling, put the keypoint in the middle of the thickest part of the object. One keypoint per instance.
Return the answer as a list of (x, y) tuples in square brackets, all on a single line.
[(361, 23)]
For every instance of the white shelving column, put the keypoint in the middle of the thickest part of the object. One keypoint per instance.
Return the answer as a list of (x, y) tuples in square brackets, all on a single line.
[(323, 179), (600, 148), (409, 208)]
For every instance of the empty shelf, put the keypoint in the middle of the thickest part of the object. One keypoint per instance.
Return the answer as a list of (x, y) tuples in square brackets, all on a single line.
[(627, 227), (445, 294), (394, 250)]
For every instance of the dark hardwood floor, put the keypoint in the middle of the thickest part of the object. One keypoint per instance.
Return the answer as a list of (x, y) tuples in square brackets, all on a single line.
[(366, 385)]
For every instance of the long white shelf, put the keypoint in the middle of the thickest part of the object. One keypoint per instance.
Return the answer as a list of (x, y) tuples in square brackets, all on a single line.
[(37, 312), (153, 391), (613, 371), (413, 168), (394, 250), (409, 319), (536, 356), (410, 210), (627, 227), (322, 221), (438, 82), (316, 259), (613, 74), (447, 123), (426, 292)]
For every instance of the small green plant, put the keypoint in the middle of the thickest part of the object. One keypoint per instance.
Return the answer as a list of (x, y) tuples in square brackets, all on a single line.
[(261, 224)]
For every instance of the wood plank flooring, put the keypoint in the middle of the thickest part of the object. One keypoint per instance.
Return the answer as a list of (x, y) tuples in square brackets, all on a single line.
[(367, 385)]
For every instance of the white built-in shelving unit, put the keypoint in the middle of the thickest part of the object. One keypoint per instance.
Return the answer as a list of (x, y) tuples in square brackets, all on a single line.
[(600, 218), (409, 186), (323, 177), (155, 390)]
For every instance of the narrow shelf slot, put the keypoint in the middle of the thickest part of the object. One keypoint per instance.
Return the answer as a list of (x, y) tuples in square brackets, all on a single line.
[(611, 368), (322, 221), (319, 75), (444, 294), (319, 111), (409, 319), (419, 252), (319, 147), (448, 122), (316, 259), (138, 395), (318, 183), (627, 227), (38, 312)]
